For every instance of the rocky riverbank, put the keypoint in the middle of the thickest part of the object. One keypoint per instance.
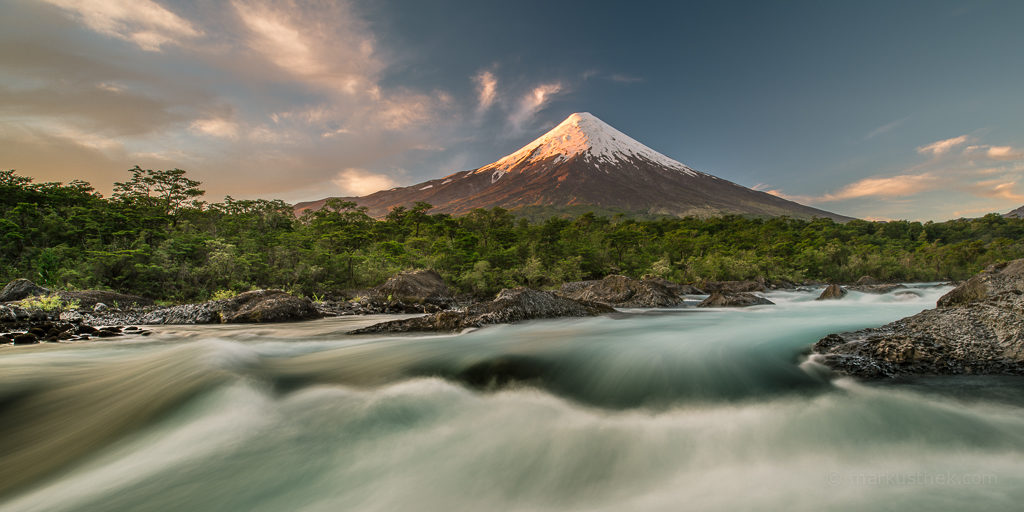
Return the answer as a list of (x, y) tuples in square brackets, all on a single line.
[(514, 305), (977, 328), (35, 313)]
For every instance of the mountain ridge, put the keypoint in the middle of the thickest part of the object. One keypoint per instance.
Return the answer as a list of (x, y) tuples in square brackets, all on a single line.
[(585, 161)]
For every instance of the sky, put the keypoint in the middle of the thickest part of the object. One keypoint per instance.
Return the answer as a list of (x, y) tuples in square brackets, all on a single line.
[(873, 109)]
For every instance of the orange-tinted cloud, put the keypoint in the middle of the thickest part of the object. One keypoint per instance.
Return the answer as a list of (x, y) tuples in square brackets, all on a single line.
[(533, 102), (941, 146), (487, 90), (143, 22), (360, 182)]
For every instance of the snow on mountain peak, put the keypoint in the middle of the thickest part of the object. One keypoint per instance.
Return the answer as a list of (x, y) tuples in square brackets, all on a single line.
[(582, 133)]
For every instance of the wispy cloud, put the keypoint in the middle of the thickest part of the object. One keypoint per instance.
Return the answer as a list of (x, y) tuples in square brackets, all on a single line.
[(892, 186), (941, 147), (624, 79), (340, 58), (998, 189), (216, 127), (533, 102), (985, 171), (143, 22), (360, 182), (1002, 153), (487, 90), (884, 187), (885, 128)]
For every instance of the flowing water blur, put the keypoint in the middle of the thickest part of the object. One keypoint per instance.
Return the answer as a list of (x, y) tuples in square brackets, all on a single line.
[(643, 410)]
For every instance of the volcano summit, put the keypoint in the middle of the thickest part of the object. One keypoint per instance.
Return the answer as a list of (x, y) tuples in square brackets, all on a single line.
[(585, 162)]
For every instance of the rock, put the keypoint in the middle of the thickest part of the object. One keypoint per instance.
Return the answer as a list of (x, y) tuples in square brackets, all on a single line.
[(977, 328), (732, 287), (733, 300), (25, 339), (993, 280), (71, 316), (867, 281), (417, 286), (511, 305), (831, 292), (781, 284), (91, 298), (877, 289), (21, 289), (256, 306), (622, 291), (99, 307), (262, 306), (8, 314), (676, 288)]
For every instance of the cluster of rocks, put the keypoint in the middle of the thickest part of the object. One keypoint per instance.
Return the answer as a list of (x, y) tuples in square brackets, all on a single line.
[(510, 305), (415, 291), (622, 291), (734, 300), (865, 284), (102, 314), (22, 326), (977, 328), (257, 306)]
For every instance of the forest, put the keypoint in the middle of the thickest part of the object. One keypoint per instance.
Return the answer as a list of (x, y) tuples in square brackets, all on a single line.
[(155, 236)]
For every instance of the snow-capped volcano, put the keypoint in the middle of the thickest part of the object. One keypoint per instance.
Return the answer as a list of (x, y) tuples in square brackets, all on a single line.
[(582, 134), (585, 162)]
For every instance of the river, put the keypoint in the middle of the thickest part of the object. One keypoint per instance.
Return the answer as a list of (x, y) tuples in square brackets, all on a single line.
[(669, 409)]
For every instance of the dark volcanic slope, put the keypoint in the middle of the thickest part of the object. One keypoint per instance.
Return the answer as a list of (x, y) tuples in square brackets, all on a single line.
[(583, 161)]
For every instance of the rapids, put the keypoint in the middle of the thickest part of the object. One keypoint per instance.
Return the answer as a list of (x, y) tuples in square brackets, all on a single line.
[(669, 409)]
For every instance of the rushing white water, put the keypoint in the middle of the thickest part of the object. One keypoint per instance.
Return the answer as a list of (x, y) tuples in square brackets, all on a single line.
[(648, 410)]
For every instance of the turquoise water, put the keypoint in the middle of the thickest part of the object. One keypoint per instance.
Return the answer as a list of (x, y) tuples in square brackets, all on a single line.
[(644, 410)]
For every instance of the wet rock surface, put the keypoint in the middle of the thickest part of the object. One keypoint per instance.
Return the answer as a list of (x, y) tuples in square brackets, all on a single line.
[(416, 286), (733, 300), (832, 292), (21, 289), (511, 305), (257, 306), (622, 291), (977, 328), (20, 326), (734, 287)]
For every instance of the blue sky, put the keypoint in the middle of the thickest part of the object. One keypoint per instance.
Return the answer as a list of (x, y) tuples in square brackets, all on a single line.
[(880, 110)]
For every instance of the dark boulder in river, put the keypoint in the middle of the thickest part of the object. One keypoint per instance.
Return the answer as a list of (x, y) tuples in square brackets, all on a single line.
[(733, 300), (867, 281), (622, 291), (256, 306), (21, 289), (977, 328), (417, 286), (728, 287), (511, 305), (831, 292)]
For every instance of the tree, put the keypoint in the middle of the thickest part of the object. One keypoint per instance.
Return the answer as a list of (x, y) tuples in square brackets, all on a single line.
[(167, 191)]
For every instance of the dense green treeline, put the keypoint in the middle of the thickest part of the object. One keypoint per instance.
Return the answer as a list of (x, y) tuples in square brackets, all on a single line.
[(155, 237)]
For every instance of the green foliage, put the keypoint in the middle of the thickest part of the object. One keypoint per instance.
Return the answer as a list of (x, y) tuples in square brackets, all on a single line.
[(51, 303), (156, 238), (223, 294)]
